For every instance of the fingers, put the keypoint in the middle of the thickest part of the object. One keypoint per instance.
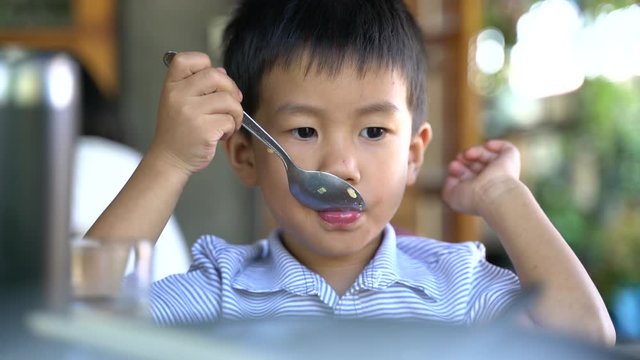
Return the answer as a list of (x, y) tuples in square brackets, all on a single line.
[(207, 81), (193, 74), (221, 103), (202, 90), (449, 184), (503, 148), (474, 159), (498, 145), (460, 170), (234, 87), (218, 127), (481, 154), (477, 157), (185, 64), (199, 106)]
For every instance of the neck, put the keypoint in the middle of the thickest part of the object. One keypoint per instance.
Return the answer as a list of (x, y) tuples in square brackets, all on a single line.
[(340, 278), (340, 272)]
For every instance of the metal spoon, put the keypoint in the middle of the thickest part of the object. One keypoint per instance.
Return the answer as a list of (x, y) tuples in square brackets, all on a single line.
[(317, 190)]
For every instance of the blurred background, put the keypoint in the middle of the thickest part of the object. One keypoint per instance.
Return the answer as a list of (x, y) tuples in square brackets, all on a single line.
[(559, 78)]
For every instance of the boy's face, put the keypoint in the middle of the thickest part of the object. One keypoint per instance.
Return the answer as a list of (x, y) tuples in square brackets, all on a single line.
[(353, 126)]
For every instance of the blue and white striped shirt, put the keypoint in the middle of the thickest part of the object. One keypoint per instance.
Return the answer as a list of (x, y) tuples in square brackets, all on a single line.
[(409, 277)]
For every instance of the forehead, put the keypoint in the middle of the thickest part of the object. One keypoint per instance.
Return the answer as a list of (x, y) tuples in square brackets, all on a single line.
[(307, 78), (304, 64)]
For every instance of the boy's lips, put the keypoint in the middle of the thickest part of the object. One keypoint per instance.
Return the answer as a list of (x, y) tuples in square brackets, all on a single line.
[(340, 217)]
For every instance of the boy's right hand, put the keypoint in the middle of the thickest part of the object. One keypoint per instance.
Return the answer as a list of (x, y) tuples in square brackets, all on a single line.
[(199, 106)]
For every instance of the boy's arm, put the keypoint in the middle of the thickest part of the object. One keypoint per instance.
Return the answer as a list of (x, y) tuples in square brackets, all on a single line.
[(484, 181), (143, 206), (199, 106)]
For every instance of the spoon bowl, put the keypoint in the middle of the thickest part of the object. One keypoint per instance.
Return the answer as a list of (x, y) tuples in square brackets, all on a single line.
[(317, 190)]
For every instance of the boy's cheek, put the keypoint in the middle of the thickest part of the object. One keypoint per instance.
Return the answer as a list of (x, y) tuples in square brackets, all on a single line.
[(269, 168), (302, 154)]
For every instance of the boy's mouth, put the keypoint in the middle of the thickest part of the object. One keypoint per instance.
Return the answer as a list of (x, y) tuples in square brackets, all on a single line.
[(340, 217)]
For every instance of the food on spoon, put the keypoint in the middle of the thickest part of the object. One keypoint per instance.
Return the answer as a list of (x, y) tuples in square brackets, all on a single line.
[(352, 193), (322, 190)]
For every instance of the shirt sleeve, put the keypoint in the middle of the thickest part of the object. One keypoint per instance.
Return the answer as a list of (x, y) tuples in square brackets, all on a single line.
[(192, 297), (185, 298), (493, 289)]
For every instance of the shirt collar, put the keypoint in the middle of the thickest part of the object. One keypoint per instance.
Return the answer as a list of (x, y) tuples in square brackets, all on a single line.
[(391, 265), (278, 270)]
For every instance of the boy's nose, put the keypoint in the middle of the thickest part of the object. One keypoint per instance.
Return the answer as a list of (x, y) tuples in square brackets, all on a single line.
[(340, 160)]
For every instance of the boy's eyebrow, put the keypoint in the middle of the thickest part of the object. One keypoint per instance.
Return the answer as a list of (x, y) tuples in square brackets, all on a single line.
[(376, 107), (298, 108)]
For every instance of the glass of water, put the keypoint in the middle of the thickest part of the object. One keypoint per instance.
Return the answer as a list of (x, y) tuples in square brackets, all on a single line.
[(111, 276)]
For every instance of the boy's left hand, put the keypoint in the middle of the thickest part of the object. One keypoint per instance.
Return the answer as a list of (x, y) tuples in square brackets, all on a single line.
[(479, 174)]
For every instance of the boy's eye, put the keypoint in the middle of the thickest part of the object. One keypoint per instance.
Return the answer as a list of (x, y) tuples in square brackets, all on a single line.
[(373, 132), (304, 132)]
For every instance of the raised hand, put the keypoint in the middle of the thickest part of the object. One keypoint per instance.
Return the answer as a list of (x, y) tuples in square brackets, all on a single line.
[(480, 173), (199, 106)]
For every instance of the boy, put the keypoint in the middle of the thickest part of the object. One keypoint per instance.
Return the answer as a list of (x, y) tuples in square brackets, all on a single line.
[(340, 84)]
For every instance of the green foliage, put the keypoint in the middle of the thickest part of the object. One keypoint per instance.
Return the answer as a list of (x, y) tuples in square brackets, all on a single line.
[(605, 125), (606, 236), (593, 6), (562, 210)]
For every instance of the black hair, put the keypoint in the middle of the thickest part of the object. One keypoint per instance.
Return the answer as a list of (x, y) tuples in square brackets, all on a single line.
[(328, 34)]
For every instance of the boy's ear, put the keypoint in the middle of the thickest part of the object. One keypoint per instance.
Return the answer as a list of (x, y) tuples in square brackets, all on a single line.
[(418, 145), (241, 157)]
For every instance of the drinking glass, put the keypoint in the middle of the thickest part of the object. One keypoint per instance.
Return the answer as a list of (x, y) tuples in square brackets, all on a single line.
[(111, 276)]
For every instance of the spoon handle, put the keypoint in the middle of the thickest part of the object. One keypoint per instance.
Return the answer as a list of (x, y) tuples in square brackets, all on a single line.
[(263, 135)]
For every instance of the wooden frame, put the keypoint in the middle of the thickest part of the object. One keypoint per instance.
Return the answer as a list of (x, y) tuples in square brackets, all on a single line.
[(460, 22), (91, 38)]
